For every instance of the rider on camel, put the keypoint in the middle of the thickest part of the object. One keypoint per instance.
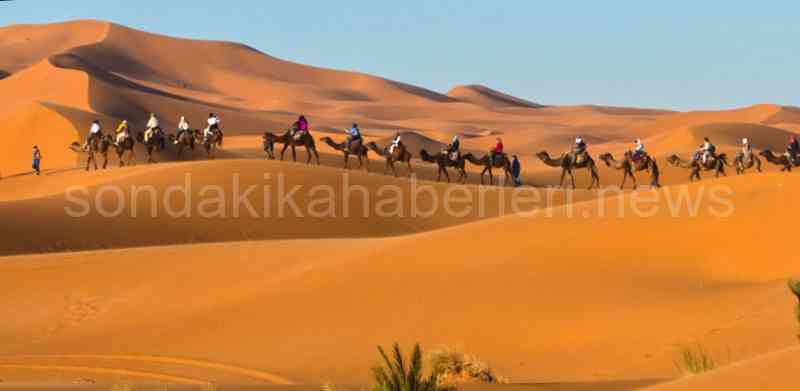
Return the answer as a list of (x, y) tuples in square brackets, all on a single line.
[(453, 149), (299, 127), (793, 149), (122, 132), (183, 126), (395, 143), (497, 151), (638, 151), (353, 135)]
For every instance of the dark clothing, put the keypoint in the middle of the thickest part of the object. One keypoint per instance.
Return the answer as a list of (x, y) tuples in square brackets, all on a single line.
[(454, 146), (793, 149), (515, 168)]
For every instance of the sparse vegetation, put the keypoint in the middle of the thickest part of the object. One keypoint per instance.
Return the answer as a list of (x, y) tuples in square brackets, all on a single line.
[(453, 367), (396, 374), (122, 387), (794, 286), (694, 361)]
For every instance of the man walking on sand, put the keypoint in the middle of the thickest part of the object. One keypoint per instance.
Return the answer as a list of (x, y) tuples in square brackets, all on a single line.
[(37, 159)]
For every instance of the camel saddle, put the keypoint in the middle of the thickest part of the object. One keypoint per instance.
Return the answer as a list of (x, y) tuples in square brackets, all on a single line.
[(580, 157)]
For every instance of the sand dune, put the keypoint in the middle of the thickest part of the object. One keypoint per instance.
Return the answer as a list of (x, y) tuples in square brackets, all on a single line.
[(509, 296), (487, 97), (571, 295), (774, 371)]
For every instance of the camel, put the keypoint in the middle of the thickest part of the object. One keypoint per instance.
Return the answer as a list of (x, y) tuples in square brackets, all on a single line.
[(209, 143), (487, 162), (100, 144), (289, 141), (355, 148), (126, 145), (156, 141), (780, 160), (567, 164), (443, 161), (744, 163), (400, 154), (628, 166), (716, 164), (186, 140)]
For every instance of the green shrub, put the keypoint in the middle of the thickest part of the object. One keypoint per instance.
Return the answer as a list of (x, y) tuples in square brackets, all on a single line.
[(397, 375), (453, 367), (794, 286), (693, 361)]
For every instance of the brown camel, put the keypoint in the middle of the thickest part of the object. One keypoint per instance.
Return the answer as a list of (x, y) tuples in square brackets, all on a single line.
[(156, 141), (443, 161), (400, 154), (646, 163), (744, 163), (98, 145), (290, 141), (209, 143), (186, 140), (356, 148), (716, 164), (487, 162), (567, 163), (780, 160)]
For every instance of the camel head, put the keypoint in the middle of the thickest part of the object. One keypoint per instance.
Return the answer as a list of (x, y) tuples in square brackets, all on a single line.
[(543, 155), (673, 159), (766, 153), (606, 158), (140, 137), (76, 147)]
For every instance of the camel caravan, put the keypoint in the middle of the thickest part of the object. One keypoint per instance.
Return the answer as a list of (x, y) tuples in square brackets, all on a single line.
[(395, 154)]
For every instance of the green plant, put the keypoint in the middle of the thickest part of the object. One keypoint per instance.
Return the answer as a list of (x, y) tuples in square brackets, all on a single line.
[(694, 361), (794, 286), (453, 367), (397, 375)]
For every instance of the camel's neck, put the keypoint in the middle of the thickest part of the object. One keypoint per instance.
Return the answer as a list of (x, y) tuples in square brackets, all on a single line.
[(334, 145), (553, 162), (375, 149)]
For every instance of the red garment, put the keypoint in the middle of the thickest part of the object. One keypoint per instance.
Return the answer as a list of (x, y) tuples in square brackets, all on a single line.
[(498, 148)]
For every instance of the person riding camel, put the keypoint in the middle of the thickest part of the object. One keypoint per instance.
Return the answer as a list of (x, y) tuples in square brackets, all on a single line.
[(747, 149), (792, 150), (212, 129), (579, 150), (300, 127), (353, 135), (95, 131), (497, 151), (183, 126), (395, 143), (638, 151), (708, 150), (453, 149), (152, 124), (122, 132)]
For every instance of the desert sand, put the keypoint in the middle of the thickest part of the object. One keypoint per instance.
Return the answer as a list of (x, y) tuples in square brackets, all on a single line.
[(589, 292)]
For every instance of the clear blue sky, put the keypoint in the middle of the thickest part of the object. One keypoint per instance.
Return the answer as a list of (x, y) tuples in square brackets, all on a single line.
[(672, 54)]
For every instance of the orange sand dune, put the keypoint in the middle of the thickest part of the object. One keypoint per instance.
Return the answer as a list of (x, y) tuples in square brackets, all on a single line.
[(554, 298), (487, 97), (773, 371)]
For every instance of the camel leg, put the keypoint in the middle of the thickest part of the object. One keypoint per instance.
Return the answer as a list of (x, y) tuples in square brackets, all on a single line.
[(105, 161), (572, 178), (308, 155), (563, 174), (446, 174), (294, 154), (409, 168), (283, 151), (758, 164), (346, 161)]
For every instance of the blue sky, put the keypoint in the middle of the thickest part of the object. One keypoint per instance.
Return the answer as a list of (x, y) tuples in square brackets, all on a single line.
[(677, 54)]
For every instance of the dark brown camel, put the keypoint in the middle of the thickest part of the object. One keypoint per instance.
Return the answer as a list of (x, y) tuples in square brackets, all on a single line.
[(209, 143), (566, 163), (744, 163), (646, 163), (356, 148), (186, 140), (400, 154), (780, 160), (487, 162), (443, 161), (716, 164), (289, 141), (156, 140), (127, 145), (98, 145)]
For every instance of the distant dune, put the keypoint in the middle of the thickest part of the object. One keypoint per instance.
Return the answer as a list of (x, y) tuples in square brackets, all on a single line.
[(487, 97)]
